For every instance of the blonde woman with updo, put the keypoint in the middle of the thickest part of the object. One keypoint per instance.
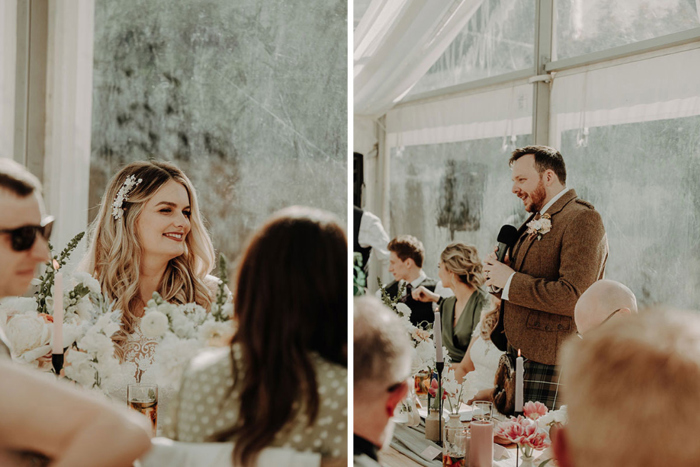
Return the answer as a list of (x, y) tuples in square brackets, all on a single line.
[(459, 269), (149, 237)]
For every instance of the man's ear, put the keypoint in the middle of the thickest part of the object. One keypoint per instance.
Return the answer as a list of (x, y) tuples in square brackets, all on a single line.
[(550, 177), (560, 446), (395, 396)]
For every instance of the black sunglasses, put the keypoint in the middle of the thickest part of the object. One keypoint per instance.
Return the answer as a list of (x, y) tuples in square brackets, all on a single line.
[(22, 238)]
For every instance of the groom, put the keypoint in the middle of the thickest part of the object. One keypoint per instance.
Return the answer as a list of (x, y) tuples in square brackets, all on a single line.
[(561, 251)]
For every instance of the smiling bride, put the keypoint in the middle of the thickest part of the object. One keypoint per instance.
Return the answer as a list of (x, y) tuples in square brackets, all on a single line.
[(149, 237)]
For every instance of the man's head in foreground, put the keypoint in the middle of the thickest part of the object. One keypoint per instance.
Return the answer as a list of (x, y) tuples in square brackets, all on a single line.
[(632, 389), (23, 244), (601, 301), (382, 365)]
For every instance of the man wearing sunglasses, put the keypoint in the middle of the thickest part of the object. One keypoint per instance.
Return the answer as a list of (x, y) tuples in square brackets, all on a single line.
[(382, 366), (24, 232), (600, 302)]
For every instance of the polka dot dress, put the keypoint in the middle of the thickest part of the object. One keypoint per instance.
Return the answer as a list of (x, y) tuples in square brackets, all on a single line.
[(205, 406)]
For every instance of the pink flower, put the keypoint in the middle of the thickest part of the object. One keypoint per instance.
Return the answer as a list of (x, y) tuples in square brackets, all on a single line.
[(538, 441), (433, 388), (534, 410), (517, 430)]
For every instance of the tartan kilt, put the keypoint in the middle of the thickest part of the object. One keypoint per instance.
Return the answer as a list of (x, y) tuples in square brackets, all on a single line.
[(541, 383)]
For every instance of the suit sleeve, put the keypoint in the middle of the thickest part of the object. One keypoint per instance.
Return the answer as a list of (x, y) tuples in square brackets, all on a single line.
[(584, 251)]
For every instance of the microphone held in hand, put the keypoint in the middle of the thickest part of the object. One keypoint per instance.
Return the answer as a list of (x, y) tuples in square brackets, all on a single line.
[(506, 239)]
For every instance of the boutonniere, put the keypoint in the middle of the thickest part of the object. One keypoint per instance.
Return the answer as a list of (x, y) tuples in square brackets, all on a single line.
[(537, 228)]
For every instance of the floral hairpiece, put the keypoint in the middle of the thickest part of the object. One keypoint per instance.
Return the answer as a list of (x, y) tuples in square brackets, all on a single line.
[(123, 195)]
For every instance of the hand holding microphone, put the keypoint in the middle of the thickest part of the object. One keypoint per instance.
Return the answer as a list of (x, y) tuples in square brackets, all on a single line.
[(497, 273)]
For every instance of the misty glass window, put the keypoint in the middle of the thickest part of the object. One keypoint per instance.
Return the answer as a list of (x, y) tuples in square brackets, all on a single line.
[(498, 39), (630, 135), (249, 98), (449, 174), (586, 26)]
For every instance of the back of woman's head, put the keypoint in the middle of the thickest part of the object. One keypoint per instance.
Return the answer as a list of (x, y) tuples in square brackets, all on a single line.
[(114, 249), (464, 261), (290, 300)]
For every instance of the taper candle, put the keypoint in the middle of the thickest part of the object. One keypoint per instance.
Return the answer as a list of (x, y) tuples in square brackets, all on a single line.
[(57, 344)]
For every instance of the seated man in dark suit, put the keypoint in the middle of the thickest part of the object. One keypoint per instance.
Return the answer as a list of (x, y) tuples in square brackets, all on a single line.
[(406, 254)]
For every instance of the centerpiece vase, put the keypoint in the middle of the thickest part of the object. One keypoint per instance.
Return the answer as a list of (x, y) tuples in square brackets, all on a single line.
[(432, 426), (454, 422), (526, 459)]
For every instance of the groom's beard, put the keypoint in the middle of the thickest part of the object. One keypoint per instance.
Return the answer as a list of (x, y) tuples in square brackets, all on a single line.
[(537, 198)]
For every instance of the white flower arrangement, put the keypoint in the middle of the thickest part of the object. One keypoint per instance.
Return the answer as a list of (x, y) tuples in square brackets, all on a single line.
[(180, 331), (555, 416), (537, 228), (455, 392), (30, 332), (123, 195)]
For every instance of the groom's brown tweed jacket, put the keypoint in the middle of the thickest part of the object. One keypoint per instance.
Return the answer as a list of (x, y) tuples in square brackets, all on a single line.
[(551, 274)]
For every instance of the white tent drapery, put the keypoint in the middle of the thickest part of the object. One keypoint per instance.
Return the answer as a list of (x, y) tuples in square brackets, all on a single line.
[(396, 42)]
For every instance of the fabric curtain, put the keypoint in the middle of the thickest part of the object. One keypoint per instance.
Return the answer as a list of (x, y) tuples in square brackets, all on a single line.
[(396, 42)]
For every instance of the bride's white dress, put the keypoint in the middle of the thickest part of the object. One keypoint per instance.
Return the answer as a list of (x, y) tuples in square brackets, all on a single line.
[(485, 357), (139, 352)]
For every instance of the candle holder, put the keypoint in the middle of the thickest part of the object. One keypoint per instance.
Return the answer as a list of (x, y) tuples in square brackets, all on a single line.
[(57, 361), (439, 366)]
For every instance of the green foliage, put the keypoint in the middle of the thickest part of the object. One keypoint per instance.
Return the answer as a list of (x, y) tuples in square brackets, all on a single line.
[(221, 294), (388, 299), (47, 278)]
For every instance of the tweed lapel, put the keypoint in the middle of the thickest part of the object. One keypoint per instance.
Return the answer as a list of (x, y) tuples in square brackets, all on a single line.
[(521, 238), (526, 241)]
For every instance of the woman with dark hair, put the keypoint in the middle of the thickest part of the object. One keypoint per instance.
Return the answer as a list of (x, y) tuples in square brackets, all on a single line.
[(283, 380)]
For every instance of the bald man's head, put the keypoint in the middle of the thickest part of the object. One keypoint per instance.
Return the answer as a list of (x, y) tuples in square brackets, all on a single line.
[(600, 300)]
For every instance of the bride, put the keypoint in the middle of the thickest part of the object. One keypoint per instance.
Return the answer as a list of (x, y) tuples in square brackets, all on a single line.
[(149, 237)]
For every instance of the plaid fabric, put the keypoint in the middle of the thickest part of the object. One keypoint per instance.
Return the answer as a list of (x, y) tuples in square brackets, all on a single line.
[(541, 382)]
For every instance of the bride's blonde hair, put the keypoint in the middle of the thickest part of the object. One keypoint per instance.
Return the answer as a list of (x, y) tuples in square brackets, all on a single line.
[(114, 249)]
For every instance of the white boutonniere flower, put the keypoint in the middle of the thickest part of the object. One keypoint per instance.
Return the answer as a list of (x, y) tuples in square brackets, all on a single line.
[(537, 228)]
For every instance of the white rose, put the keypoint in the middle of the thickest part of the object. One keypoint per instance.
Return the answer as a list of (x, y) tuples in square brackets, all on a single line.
[(183, 327), (71, 333), (80, 369), (106, 323), (403, 309), (84, 308), (214, 333), (30, 356), (14, 305), (227, 310), (154, 324), (96, 343), (88, 281), (27, 331), (171, 357)]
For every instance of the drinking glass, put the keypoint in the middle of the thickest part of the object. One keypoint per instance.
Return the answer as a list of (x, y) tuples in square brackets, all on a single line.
[(482, 411), (454, 446), (144, 398)]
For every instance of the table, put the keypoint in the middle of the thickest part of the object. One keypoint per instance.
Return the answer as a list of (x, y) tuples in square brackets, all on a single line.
[(408, 442)]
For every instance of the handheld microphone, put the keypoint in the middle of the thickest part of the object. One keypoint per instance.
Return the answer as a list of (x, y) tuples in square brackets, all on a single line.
[(507, 238)]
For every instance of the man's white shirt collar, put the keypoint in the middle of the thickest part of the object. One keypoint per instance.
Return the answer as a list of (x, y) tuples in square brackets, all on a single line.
[(553, 200), (421, 277)]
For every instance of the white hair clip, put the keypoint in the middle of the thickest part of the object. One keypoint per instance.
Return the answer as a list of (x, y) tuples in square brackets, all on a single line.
[(123, 195)]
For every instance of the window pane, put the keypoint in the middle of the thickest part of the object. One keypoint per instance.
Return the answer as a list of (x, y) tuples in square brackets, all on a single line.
[(642, 178), (498, 39), (248, 98), (453, 192), (585, 26)]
